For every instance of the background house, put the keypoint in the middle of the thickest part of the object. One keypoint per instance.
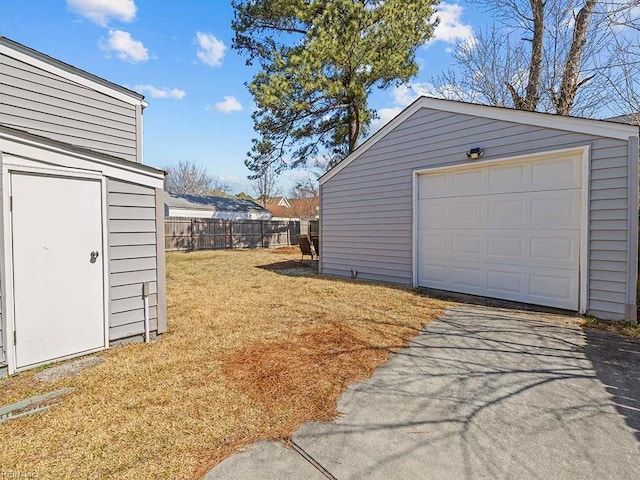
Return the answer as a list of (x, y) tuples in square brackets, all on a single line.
[(544, 211), (294, 208), (81, 218), (208, 206)]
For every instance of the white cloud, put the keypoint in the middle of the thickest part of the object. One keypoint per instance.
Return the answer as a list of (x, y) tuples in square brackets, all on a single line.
[(384, 116), (451, 29), (127, 48), (162, 92), (405, 94), (228, 105), (210, 49), (101, 11), (402, 96)]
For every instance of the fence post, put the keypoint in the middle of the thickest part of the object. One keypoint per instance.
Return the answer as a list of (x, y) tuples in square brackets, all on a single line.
[(192, 234), (230, 234), (262, 233)]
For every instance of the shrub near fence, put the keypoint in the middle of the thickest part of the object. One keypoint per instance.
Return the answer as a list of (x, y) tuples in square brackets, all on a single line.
[(185, 233)]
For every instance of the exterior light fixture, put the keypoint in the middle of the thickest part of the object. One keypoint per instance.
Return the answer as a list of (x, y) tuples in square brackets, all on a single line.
[(475, 153)]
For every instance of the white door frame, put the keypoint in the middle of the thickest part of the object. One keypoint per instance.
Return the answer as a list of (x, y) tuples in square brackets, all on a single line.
[(584, 151), (24, 166)]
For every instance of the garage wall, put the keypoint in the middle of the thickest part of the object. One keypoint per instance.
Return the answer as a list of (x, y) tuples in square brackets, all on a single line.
[(132, 258), (367, 207), (48, 105)]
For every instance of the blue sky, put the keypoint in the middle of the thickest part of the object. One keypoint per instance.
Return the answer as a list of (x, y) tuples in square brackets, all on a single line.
[(178, 54)]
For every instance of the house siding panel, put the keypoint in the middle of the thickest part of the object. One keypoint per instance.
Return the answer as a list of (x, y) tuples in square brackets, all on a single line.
[(132, 258), (48, 105), (367, 207)]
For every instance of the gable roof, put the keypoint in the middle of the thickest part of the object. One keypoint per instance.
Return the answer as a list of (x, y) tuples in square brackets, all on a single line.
[(42, 61), (601, 128), (212, 203)]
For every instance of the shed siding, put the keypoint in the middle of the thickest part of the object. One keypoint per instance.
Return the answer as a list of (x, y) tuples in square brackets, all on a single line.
[(367, 207), (132, 258), (48, 105), (3, 347)]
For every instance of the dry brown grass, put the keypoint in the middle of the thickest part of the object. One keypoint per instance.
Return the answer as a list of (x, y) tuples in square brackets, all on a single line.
[(250, 354), (627, 329)]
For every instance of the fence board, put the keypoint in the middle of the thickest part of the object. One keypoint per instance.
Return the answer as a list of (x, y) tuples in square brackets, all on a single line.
[(184, 233)]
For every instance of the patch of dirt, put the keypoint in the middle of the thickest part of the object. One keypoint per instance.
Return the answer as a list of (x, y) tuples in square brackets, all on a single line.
[(300, 380), (67, 369)]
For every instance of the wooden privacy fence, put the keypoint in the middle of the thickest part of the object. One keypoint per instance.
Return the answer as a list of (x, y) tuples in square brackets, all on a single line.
[(186, 233)]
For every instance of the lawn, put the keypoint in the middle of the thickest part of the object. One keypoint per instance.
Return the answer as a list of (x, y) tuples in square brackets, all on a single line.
[(257, 344)]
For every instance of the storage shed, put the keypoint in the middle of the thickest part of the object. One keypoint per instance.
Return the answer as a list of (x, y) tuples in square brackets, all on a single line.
[(81, 218), (523, 206)]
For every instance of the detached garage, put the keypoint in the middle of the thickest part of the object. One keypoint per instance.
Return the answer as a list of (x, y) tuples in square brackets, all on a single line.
[(489, 201), (81, 218)]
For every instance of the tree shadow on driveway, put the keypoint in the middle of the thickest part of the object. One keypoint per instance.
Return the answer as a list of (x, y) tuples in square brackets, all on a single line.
[(490, 393)]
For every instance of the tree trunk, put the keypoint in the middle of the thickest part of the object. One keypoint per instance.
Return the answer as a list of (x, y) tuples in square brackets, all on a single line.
[(532, 93), (354, 126), (570, 78)]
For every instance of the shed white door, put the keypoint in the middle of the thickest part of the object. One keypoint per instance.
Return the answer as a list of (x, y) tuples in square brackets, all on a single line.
[(506, 230), (58, 287)]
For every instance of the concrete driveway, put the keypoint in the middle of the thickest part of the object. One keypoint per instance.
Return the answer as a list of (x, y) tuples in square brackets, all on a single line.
[(483, 393)]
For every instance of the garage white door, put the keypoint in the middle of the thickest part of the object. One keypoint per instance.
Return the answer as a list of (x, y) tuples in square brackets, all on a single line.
[(57, 267), (503, 230)]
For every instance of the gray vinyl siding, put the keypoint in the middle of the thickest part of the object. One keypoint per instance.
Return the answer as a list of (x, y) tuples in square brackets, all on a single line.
[(3, 349), (366, 208), (132, 258), (48, 105)]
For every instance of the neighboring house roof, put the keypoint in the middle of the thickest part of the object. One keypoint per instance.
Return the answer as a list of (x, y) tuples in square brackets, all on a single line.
[(297, 207), (284, 202), (211, 203), (629, 119), (601, 128), (41, 60)]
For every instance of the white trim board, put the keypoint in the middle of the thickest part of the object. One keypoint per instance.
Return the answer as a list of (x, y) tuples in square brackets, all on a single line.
[(12, 52), (598, 128), (19, 147), (584, 151)]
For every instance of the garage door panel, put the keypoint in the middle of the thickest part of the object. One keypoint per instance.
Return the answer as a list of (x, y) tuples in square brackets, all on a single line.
[(540, 210), (511, 247), (505, 281), (555, 249), (467, 181), (520, 247), (467, 245), (509, 230), (507, 212), (556, 173), (508, 177), (465, 212), (556, 209), (544, 286), (561, 173)]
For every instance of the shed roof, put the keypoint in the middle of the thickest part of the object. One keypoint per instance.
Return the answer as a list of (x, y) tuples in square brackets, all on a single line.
[(22, 137), (212, 203)]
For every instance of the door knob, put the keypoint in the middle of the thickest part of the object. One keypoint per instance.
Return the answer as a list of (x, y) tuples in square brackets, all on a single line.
[(94, 255)]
